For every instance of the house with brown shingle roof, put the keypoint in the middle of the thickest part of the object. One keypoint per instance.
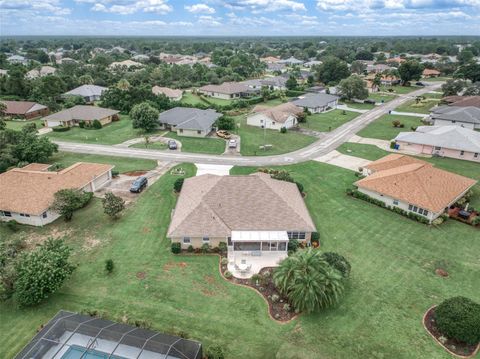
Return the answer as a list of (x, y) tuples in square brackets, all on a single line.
[(462, 101), (27, 193), (24, 109), (172, 94), (76, 114), (430, 73), (226, 91), (284, 115), (255, 215), (413, 185)]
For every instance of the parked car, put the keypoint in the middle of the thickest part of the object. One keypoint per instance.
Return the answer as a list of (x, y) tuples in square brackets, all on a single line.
[(370, 102), (232, 144), (224, 134), (172, 145), (139, 184), (420, 84)]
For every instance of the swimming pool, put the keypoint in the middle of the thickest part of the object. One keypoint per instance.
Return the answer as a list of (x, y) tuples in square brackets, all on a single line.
[(75, 352)]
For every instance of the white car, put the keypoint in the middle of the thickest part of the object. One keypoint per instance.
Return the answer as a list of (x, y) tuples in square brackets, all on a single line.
[(232, 144)]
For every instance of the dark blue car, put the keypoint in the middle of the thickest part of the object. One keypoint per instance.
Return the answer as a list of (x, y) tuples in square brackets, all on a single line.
[(139, 184)]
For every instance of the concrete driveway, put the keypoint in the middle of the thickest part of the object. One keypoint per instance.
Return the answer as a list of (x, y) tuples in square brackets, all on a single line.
[(345, 161), (219, 170)]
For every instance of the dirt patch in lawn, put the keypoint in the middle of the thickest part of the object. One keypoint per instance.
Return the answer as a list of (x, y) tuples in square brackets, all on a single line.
[(91, 242), (279, 308), (454, 347), (141, 275), (170, 265), (134, 173), (441, 272), (34, 239)]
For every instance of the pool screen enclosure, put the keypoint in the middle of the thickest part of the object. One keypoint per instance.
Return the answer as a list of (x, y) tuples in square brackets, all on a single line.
[(75, 336)]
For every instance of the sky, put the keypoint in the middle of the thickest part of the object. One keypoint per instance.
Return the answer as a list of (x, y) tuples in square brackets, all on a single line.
[(240, 17)]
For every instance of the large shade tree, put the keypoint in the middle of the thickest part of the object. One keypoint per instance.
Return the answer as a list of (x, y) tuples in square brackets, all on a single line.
[(309, 282), (144, 116), (353, 87)]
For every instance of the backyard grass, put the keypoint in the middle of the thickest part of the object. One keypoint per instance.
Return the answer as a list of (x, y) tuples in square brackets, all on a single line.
[(113, 133), (151, 146), (193, 99), (378, 97), (392, 283), (398, 89), (464, 168), (253, 137), (122, 164), (17, 125), (323, 122), (357, 105), (383, 129), (215, 146), (423, 106)]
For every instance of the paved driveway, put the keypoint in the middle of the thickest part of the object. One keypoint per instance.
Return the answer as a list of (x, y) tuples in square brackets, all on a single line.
[(345, 161)]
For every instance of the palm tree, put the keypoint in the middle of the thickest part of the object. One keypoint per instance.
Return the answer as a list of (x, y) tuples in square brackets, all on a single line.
[(309, 281), (123, 85)]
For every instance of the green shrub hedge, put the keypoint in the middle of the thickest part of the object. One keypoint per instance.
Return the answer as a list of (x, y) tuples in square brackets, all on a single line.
[(176, 247), (60, 128), (338, 262), (459, 318)]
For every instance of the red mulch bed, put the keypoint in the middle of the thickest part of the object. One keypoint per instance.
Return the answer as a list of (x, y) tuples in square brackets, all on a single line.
[(453, 346), (135, 173), (267, 289), (453, 213)]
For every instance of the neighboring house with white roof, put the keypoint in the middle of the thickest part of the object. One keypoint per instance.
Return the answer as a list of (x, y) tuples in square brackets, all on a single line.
[(186, 121), (413, 185), (28, 192), (274, 118), (468, 117), (317, 102), (291, 61), (172, 94), (226, 91), (445, 141), (141, 57), (73, 116), (127, 64), (17, 59), (40, 72), (312, 63), (255, 215), (90, 93), (3, 72), (273, 83)]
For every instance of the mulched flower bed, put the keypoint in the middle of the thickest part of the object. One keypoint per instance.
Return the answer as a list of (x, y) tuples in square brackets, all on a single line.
[(453, 346), (276, 309), (453, 213)]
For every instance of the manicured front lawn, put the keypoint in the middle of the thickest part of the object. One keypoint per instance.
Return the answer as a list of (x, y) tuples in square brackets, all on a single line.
[(357, 105), (397, 89), (378, 97), (323, 122), (214, 146), (392, 282), (383, 129), (17, 125), (193, 99), (113, 133), (253, 137), (423, 106), (151, 146), (122, 164)]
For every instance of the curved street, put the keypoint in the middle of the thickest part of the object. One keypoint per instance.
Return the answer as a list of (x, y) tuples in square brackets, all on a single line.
[(324, 145)]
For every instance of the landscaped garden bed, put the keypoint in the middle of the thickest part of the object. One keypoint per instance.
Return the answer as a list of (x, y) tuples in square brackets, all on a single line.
[(471, 217), (453, 346), (278, 306)]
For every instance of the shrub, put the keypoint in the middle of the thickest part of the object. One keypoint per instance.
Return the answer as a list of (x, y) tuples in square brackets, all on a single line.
[(315, 237), (338, 262), (115, 173), (97, 124), (112, 205), (392, 144), (67, 201), (283, 130), (206, 248), (275, 298), (299, 186), (459, 318), (287, 307), (293, 245), (224, 261), (42, 272), (176, 247), (214, 351), (255, 278), (60, 128), (396, 123), (227, 274), (190, 249), (81, 124), (12, 225), (109, 266), (476, 221), (178, 184), (222, 247)]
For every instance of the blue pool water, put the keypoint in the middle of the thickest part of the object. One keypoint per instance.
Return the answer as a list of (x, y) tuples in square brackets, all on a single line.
[(75, 352)]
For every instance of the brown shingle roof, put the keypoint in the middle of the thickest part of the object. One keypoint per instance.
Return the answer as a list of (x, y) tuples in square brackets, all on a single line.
[(170, 93), (226, 88), (82, 112), (417, 183), (31, 189), (21, 107), (214, 206), (429, 72), (392, 161), (463, 101)]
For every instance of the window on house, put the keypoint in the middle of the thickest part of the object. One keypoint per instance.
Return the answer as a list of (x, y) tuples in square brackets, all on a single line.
[(44, 215), (437, 148), (475, 155), (180, 130), (7, 213), (410, 207), (395, 202), (462, 153), (186, 240), (454, 121), (282, 246), (425, 212), (199, 132), (205, 239), (415, 208)]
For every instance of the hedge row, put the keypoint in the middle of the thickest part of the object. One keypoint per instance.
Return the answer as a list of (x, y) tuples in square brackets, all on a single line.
[(60, 128), (357, 194)]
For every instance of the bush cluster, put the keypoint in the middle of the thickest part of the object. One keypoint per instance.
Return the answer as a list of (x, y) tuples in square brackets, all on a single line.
[(338, 262), (60, 128)]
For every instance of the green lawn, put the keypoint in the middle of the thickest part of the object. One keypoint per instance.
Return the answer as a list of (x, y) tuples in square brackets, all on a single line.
[(357, 105), (323, 122), (423, 106), (464, 168), (437, 96), (253, 137), (392, 283), (215, 146), (398, 89), (193, 99), (151, 146), (122, 164), (18, 125), (383, 129), (439, 78), (113, 133), (378, 97)]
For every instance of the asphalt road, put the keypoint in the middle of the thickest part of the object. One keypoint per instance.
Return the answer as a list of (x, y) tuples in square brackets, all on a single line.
[(324, 145)]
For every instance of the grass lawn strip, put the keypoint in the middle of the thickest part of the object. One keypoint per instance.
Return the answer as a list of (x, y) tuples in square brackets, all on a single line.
[(383, 129), (209, 145), (324, 122)]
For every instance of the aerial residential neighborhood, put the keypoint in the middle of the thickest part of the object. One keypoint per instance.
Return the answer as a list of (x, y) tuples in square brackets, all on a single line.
[(239, 179)]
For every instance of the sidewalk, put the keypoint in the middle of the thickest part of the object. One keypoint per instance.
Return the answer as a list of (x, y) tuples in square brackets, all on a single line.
[(346, 108)]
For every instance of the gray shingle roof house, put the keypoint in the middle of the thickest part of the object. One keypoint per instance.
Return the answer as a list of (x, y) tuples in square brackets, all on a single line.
[(189, 121), (468, 117), (291, 61), (226, 91), (72, 116), (89, 92), (317, 102), (448, 141)]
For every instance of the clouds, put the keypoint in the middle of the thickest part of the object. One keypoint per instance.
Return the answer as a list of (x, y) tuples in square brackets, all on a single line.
[(127, 7), (257, 6), (200, 9), (35, 6)]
